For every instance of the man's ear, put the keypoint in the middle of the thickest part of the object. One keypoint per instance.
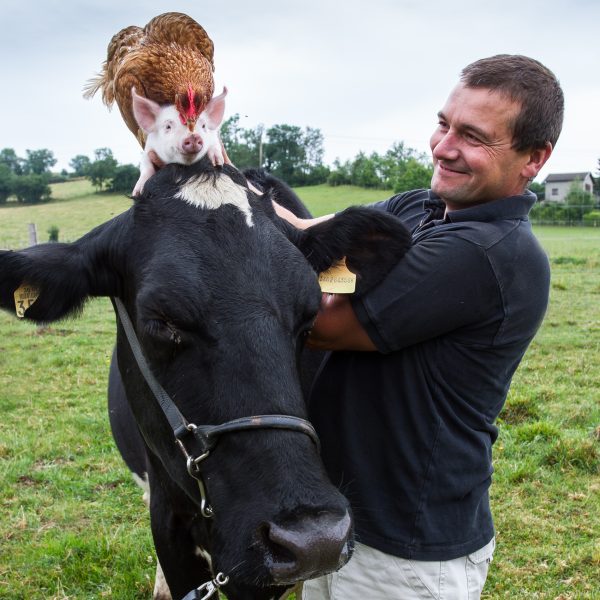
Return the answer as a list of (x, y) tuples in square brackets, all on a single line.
[(58, 278), (372, 241), (537, 159)]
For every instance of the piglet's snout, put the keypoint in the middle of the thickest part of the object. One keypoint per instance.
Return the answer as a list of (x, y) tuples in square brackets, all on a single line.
[(192, 144)]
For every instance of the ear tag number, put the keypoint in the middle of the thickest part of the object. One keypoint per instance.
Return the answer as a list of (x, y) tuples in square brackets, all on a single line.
[(338, 279), (25, 296)]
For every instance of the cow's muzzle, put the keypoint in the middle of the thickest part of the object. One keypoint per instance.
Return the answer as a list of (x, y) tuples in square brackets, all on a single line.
[(307, 548)]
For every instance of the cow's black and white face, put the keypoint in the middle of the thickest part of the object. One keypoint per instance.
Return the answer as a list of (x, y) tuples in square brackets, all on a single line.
[(221, 301)]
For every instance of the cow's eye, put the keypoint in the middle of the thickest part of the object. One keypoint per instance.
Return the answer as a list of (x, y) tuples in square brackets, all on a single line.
[(163, 330)]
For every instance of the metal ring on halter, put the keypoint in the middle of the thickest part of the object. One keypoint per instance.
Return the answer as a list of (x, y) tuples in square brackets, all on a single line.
[(208, 589), (194, 470)]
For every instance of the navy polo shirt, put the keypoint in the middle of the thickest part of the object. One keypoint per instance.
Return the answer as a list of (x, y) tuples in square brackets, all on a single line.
[(407, 432)]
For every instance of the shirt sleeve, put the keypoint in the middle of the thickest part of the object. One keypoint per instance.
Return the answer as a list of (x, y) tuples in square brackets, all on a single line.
[(441, 284)]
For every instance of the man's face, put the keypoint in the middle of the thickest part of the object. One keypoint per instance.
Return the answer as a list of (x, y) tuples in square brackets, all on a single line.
[(471, 147)]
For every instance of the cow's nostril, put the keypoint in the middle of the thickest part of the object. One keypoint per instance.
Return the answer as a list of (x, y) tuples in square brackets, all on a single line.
[(277, 553), (307, 547)]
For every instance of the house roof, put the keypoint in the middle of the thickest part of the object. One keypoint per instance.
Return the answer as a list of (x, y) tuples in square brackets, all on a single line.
[(554, 177)]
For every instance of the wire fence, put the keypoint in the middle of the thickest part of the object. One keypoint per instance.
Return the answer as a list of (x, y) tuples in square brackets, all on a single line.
[(550, 213)]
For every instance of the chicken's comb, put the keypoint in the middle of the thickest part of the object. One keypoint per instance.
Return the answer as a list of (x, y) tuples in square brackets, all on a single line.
[(186, 106)]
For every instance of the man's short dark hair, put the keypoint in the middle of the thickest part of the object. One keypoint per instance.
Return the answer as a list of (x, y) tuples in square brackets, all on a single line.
[(533, 86)]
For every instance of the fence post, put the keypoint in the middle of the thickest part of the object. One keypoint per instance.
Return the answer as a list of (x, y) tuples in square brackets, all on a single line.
[(32, 234)]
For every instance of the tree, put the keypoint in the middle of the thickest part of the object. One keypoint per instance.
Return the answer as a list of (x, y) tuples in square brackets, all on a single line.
[(31, 188), (578, 202), (295, 155), (538, 189), (400, 168), (102, 170), (363, 171), (284, 151), (9, 158), (124, 179), (243, 146), (415, 175), (6, 182), (39, 162), (80, 165), (340, 175)]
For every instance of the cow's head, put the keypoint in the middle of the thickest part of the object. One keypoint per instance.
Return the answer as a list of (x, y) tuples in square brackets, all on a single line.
[(220, 301)]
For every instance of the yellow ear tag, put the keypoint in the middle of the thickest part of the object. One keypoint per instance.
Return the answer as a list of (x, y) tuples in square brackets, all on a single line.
[(338, 279), (25, 296)]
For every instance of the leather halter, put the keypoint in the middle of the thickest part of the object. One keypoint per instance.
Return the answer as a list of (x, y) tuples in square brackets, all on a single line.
[(202, 438)]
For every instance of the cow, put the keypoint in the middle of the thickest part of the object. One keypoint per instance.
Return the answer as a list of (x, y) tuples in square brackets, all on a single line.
[(215, 296)]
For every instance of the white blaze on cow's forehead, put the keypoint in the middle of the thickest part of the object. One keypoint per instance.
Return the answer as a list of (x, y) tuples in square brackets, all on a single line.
[(213, 193)]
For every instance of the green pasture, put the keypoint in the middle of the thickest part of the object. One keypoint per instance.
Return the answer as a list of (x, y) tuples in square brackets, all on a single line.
[(73, 525)]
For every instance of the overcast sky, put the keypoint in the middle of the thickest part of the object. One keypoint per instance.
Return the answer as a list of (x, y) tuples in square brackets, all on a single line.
[(366, 73)]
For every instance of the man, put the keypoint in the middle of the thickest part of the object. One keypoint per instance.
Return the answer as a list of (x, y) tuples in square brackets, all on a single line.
[(421, 367)]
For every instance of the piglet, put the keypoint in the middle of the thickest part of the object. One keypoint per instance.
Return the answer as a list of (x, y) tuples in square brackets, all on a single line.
[(171, 140)]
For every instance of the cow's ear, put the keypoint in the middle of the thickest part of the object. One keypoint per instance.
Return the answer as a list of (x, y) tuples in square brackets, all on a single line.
[(371, 240), (54, 280)]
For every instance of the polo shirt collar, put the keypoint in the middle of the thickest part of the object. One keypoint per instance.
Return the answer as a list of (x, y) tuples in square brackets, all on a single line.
[(513, 207)]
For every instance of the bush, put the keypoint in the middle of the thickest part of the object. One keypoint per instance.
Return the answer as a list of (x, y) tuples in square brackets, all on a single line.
[(124, 179), (31, 188), (53, 231), (58, 177), (6, 183), (592, 219)]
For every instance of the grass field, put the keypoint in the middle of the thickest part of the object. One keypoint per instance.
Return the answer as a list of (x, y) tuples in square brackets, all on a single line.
[(73, 524)]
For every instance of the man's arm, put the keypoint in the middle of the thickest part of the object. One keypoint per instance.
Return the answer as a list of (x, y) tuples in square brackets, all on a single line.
[(297, 222), (337, 328)]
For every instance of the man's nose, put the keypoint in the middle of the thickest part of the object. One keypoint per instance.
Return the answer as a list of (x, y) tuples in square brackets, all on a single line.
[(444, 146)]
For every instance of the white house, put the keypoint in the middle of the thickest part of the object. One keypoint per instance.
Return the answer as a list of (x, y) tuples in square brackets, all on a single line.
[(558, 185)]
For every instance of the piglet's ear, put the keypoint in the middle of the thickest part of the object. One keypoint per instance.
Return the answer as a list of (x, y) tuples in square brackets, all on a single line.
[(215, 110), (372, 241), (145, 111)]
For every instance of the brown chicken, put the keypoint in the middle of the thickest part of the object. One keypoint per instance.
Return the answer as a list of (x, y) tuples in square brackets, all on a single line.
[(169, 61)]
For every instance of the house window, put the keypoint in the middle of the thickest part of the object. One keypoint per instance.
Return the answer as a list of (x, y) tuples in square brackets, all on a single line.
[(588, 187), (555, 191)]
